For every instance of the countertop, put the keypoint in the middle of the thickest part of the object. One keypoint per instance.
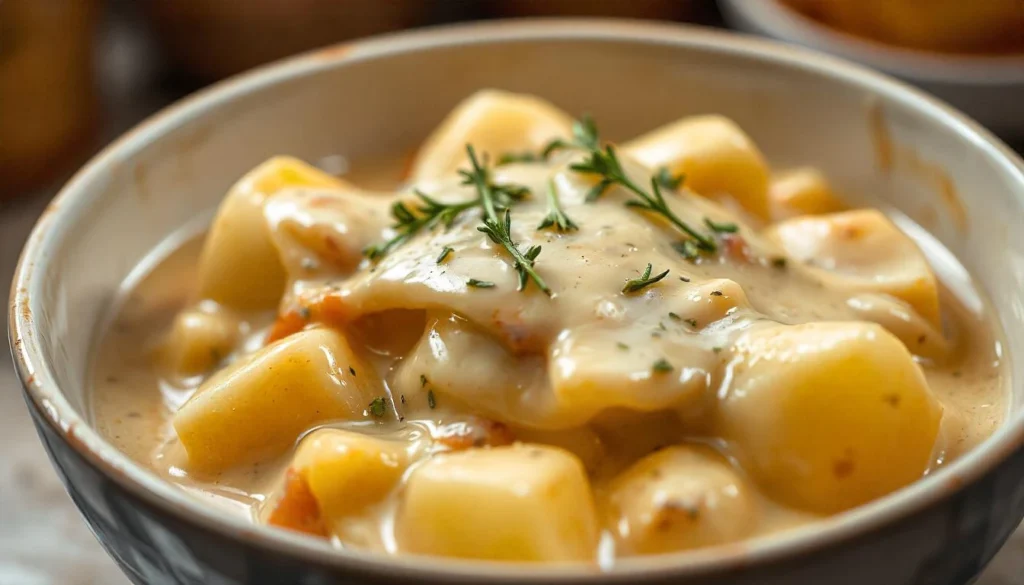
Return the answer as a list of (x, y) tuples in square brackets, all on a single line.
[(43, 539)]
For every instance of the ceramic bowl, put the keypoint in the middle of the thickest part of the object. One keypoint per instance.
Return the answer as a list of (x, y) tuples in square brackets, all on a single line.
[(988, 87), (923, 160)]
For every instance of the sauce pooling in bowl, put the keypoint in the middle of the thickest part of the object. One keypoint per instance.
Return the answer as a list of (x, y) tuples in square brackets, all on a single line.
[(540, 346)]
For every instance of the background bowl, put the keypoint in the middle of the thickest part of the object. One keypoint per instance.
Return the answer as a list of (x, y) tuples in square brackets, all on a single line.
[(988, 87), (872, 136)]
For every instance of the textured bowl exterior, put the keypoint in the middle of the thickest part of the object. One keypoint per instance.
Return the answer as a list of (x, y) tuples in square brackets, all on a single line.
[(374, 97)]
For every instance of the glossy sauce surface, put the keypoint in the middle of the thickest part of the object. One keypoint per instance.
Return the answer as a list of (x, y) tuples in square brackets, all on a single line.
[(634, 384)]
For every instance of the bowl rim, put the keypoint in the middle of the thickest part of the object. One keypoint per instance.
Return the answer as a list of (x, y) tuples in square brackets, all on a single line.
[(45, 396), (785, 23)]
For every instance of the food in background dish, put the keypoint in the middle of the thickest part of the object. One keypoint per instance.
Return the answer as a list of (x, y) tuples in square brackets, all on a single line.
[(955, 26), (544, 346)]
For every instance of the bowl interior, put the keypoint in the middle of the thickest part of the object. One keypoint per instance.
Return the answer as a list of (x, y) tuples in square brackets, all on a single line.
[(876, 140)]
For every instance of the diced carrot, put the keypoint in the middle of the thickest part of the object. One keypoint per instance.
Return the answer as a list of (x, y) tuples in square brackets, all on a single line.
[(326, 308), (298, 509), (285, 324)]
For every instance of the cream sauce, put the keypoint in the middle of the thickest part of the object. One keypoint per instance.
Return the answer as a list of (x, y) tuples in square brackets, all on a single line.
[(588, 328)]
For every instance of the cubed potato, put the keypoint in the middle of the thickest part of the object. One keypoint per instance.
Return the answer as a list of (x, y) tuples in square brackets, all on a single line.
[(239, 266), (679, 498), (862, 251), (198, 341), (495, 123), (716, 156), (828, 416), (258, 406), (802, 191), (348, 471), (517, 503)]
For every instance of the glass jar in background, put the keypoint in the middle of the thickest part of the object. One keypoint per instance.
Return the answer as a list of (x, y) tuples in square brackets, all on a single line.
[(48, 101), (211, 39)]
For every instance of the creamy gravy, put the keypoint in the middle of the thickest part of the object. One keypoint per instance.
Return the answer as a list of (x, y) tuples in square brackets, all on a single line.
[(507, 339)]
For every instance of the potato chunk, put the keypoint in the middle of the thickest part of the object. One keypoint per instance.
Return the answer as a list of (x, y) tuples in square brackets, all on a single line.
[(198, 341), (828, 416), (344, 472), (259, 406), (239, 266), (862, 251), (679, 498), (714, 154), (494, 122), (802, 191), (517, 503)]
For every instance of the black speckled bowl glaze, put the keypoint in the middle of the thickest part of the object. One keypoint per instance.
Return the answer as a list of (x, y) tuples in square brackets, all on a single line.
[(382, 96)]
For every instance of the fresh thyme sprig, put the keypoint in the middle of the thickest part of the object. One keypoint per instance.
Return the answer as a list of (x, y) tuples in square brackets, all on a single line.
[(556, 216), (605, 163), (431, 212), (584, 137), (667, 180), (499, 229), (408, 222), (644, 281)]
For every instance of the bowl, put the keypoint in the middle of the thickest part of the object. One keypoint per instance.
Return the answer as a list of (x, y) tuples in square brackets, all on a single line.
[(923, 160), (988, 87)]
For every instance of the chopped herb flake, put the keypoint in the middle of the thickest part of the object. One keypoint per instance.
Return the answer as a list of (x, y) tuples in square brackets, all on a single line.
[(431, 401), (644, 281), (352, 370), (423, 380), (661, 366), (722, 228), (692, 322), (377, 407), (479, 283), (622, 346), (779, 262), (444, 254), (716, 293), (674, 317)]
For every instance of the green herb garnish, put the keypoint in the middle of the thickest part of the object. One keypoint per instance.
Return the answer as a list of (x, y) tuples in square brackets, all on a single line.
[(722, 228), (479, 283), (444, 254), (431, 401), (644, 281), (605, 164), (499, 229), (622, 346), (556, 216), (667, 180), (661, 366), (378, 407)]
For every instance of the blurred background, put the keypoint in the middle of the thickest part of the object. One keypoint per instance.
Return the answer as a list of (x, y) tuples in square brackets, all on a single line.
[(75, 74)]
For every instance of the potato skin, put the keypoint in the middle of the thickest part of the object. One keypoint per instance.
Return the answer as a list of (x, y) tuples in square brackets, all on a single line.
[(828, 416)]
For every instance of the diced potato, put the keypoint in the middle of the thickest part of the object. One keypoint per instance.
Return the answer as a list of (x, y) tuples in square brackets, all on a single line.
[(802, 191), (517, 503), (347, 471), (862, 251), (828, 416), (716, 156), (679, 498), (495, 123), (239, 266), (198, 341), (258, 407)]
